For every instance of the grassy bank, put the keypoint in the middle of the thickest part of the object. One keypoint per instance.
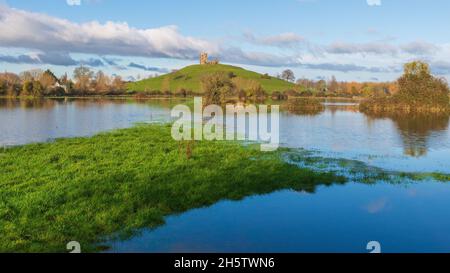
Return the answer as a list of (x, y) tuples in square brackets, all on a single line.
[(397, 106), (89, 189), (304, 106)]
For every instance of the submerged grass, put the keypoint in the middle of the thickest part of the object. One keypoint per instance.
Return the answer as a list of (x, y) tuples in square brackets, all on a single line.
[(91, 189), (357, 171)]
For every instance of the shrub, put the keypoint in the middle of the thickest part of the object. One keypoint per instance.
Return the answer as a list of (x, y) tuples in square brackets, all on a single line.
[(306, 93), (181, 93), (304, 106), (140, 95), (290, 93), (217, 88), (231, 75), (38, 90), (277, 95), (58, 91), (27, 88), (418, 91)]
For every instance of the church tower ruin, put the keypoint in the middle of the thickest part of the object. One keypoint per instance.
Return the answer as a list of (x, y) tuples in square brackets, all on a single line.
[(204, 59)]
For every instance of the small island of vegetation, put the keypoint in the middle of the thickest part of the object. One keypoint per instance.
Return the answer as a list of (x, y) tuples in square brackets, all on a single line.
[(418, 92)]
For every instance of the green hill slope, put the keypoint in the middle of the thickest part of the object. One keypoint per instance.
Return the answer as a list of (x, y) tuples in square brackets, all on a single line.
[(189, 78)]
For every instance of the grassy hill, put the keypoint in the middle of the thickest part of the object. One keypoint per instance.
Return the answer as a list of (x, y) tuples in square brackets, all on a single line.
[(190, 77)]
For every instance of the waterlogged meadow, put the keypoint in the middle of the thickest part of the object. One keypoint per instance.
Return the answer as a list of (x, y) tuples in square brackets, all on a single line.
[(89, 189), (342, 179)]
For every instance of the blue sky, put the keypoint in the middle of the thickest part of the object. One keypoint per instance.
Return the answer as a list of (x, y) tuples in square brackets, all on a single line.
[(352, 39)]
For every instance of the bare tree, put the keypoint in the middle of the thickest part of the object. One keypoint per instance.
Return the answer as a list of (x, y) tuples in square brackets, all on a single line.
[(333, 85), (288, 75), (10, 84), (83, 77), (48, 80), (102, 82), (117, 84)]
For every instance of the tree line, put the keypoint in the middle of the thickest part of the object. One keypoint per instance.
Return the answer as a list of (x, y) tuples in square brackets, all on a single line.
[(416, 88), (45, 83), (220, 86), (334, 88)]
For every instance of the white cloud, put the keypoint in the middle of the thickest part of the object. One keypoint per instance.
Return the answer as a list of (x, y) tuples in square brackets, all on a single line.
[(39, 31), (366, 48), (374, 2), (36, 31), (420, 48), (54, 40), (73, 2), (283, 40), (237, 55)]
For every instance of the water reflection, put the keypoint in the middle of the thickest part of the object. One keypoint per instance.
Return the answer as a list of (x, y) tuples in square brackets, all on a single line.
[(38, 120), (337, 128), (418, 131), (303, 107), (27, 103), (335, 219)]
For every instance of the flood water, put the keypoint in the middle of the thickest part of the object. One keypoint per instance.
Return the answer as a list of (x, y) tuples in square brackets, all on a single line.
[(403, 217)]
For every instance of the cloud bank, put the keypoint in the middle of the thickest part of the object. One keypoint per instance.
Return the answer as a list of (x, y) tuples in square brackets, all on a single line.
[(23, 29), (54, 40), (38, 31)]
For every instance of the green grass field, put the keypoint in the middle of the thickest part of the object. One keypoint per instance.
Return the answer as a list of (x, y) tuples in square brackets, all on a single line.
[(90, 189), (189, 78)]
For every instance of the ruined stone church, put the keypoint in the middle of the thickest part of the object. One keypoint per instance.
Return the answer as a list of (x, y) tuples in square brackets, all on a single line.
[(204, 59)]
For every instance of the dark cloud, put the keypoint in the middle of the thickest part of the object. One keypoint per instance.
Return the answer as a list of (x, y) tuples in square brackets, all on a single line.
[(110, 61), (21, 59), (148, 68), (367, 48), (53, 58), (57, 58), (92, 62), (349, 68), (283, 40)]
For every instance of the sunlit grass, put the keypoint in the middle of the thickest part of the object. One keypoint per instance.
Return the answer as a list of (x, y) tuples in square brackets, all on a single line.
[(89, 189), (189, 78)]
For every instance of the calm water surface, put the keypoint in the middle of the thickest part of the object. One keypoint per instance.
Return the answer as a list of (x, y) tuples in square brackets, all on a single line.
[(406, 217)]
